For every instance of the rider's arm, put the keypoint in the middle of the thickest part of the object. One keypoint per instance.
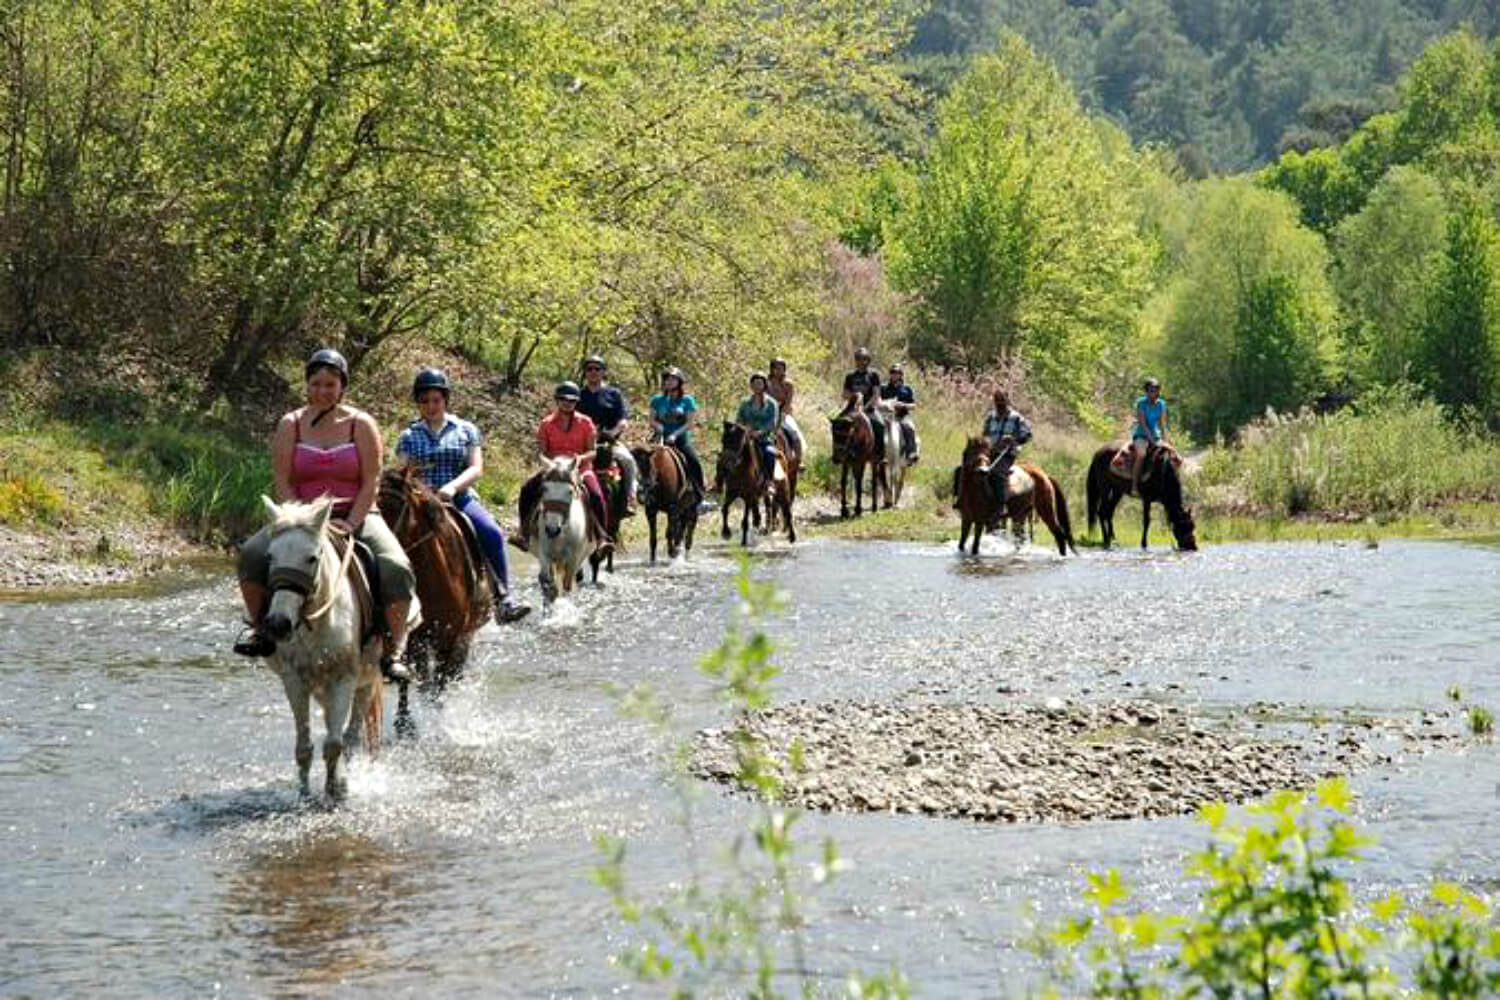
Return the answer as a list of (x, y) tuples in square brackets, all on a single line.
[(466, 478), (791, 392), (1023, 430), (586, 457), (367, 443), (283, 444), (1164, 422)]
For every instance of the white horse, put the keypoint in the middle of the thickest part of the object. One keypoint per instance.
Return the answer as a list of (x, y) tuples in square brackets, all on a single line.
[(559, 528), (889, 447), (315, 618)]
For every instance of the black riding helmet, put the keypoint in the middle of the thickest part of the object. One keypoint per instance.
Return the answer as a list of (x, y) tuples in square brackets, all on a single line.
[(431, 378), (327, 357), (567, 390), (861, 353)]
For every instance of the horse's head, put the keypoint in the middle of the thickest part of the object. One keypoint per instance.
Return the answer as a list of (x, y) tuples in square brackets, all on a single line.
[(560, 488), (976, 453), (1178, 513), (734, 447), (406, 504), (295, 551), (852, 436)]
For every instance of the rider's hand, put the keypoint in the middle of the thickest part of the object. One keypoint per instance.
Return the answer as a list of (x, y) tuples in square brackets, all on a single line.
[(446, 492), (344, 524)]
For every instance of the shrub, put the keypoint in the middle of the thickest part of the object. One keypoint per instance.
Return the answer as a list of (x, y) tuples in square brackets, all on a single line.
[(1276, 919), (27, 499)]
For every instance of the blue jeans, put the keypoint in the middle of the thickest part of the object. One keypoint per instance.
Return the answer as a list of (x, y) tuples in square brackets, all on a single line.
[(491, 537)]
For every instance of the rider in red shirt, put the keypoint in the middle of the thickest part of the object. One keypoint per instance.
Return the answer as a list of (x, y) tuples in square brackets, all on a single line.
[(565, 433)]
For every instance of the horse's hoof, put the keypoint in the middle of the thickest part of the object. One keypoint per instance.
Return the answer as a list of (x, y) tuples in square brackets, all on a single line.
[(405, 727)]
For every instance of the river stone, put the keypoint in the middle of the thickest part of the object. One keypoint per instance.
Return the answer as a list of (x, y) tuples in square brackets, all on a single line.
[(1040, 763)]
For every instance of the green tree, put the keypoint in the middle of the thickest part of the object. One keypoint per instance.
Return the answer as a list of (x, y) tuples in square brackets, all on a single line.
[(337, 162), (1022, 242), (1251, 317), (1387, 259), (1460, 355)]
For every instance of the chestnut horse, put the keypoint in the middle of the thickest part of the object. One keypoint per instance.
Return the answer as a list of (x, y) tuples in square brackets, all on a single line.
[(1159, 483), (854, 447), (453, 581), (665, 484), (791, 463), (1031, 491)]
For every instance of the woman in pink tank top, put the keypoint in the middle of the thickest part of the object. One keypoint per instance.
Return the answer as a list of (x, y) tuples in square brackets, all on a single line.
[(329, 448)]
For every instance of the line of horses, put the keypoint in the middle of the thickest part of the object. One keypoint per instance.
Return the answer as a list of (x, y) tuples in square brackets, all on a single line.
[(324, 611)]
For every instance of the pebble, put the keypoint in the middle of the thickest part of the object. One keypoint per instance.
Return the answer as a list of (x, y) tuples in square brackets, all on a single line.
[(1054, 762)]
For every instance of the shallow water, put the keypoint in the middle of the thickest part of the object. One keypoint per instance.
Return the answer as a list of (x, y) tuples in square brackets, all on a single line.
[(153, 841)]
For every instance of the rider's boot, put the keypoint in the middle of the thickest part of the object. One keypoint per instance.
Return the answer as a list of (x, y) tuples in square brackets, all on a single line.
[(254, 642)]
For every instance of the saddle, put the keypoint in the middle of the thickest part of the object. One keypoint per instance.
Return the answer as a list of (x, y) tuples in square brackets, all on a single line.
[(364, 571), (476, 567), (1124, 458)]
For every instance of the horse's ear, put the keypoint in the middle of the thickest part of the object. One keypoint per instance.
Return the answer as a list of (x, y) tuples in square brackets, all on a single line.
[(271, 507), (728, 424), (324, 515)]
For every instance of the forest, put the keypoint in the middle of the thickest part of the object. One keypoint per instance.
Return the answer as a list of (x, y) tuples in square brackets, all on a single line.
[(199, 192)]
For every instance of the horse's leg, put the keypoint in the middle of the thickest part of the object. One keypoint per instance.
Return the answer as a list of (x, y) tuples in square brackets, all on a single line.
[(337, 704), (1107, 503), (297, 697), (963, 533), (786, 513), (844, 490), (651, 529), (724, 531), (1145, 520), (749, 507), (354, 731)]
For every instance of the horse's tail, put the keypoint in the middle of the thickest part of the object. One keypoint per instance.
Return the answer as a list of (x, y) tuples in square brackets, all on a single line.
[(1095, 491), (1062, 515)]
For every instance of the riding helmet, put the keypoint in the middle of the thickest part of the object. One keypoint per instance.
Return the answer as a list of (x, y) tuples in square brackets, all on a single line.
[(327, 357), (431, 378), (594, 359), (675, 372), (758, 375), (778, 361), (1152, 383), (566, 390), (861, 352), (897, 368)]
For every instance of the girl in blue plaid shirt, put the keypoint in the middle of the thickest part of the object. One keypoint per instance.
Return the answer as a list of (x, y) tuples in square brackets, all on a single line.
[(445, 450)]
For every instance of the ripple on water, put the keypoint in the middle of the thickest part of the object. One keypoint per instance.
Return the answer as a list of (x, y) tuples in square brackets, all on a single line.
[(176, 794)]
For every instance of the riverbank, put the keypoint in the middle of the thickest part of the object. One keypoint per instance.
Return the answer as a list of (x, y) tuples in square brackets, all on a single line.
[(130, 489)]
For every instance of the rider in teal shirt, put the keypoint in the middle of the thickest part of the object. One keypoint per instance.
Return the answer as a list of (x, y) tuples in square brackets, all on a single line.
[(759, 414), (1148, 430)]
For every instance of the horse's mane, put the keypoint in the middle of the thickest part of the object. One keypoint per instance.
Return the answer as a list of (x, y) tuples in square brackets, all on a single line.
[(298, 514)]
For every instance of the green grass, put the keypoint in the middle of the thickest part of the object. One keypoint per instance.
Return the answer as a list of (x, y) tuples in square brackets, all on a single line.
[(1394, 455), (1481, 721), (206, 483)]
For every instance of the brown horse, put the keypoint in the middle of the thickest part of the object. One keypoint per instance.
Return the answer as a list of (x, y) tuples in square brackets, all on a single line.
[(1159, 483), (1032, 491), (667, 488), (453, 582), (854, 447), (746, 479)]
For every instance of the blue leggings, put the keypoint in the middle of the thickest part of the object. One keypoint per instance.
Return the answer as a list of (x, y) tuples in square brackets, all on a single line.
[(491, 537)]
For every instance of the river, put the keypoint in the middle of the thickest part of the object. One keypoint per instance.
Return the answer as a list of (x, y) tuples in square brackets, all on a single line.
[(153, 843)]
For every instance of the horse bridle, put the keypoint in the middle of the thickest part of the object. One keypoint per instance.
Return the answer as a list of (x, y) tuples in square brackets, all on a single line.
[(402, 520), (304, 583)]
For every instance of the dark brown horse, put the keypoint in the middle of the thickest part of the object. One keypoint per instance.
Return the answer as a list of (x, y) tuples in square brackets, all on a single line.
[(1159, 483), (854, 447), (1034, 492), (667, 488), (453, 583), (745, 478), (612, 481)]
